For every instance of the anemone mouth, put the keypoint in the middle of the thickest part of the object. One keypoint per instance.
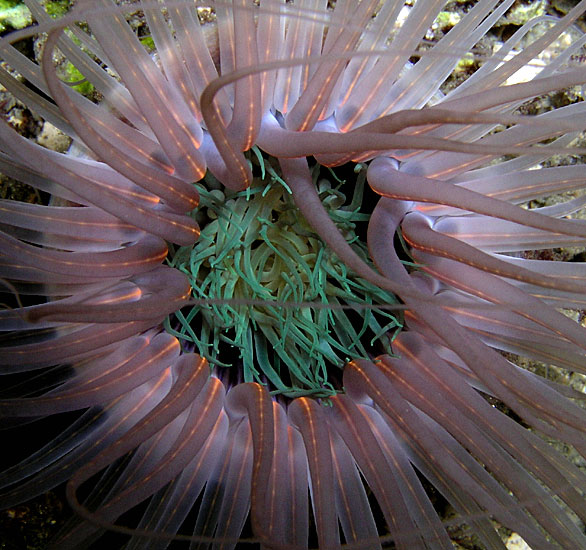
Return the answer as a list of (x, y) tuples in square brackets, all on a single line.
[(272, 299)]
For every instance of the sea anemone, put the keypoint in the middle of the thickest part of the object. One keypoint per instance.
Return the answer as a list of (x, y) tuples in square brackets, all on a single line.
[(282, 274)]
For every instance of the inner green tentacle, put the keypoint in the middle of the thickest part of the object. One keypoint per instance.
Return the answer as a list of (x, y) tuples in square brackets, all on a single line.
[(256, 247)]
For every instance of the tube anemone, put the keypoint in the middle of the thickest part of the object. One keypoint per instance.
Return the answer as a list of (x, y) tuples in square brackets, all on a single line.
[(281, 280)]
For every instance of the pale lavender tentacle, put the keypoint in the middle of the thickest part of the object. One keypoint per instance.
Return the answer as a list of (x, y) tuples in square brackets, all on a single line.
[(312, 422), (105, 425), (116, 374), (255, 401), (381, 478), (387, 181)]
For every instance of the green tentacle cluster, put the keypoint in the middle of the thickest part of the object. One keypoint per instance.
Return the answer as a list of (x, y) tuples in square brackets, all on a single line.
[(255, 269)]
